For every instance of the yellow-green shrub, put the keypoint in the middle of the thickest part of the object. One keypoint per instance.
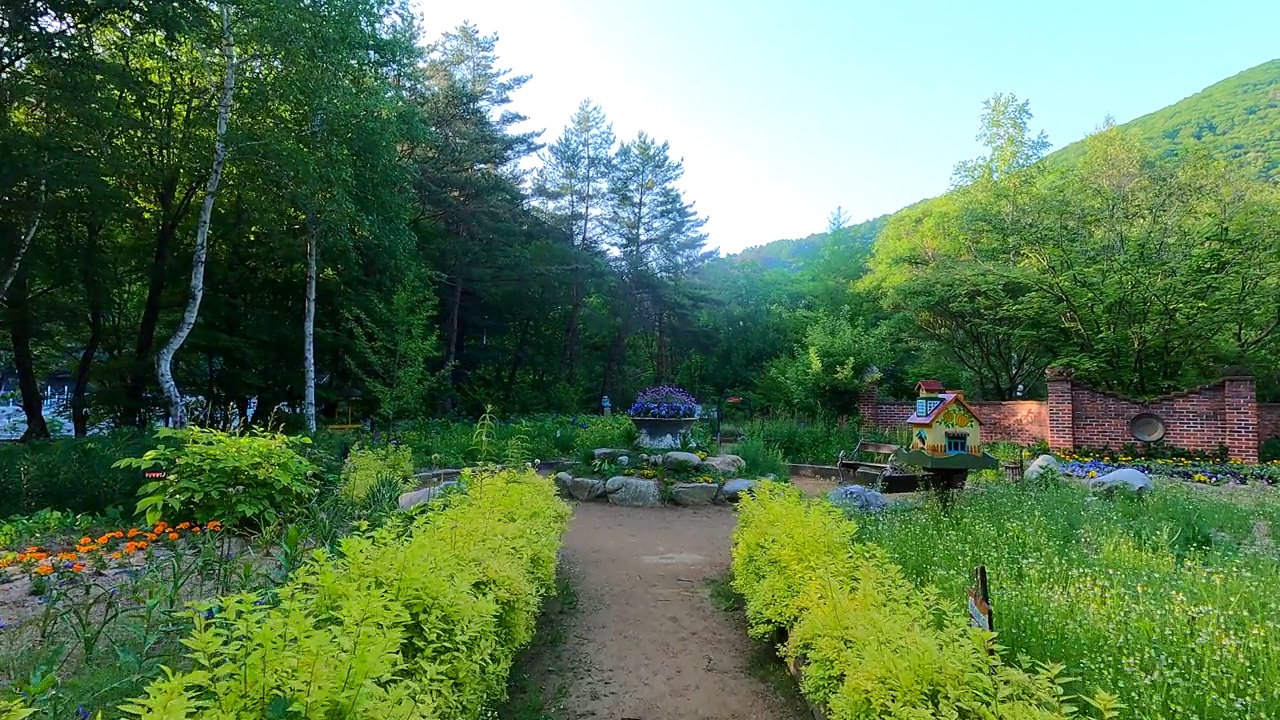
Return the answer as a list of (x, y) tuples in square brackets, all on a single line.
[(873, 645), (364, 467), (420, 619)]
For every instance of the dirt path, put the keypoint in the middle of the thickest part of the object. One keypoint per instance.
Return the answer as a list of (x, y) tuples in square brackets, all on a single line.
[(643, 637)]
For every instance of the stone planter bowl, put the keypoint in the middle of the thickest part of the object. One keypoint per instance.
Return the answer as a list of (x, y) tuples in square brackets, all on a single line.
[(663, 433)]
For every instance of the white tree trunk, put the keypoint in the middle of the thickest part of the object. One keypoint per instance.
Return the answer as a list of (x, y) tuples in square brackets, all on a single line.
[(164, 361), (309, 327), (22, 247)]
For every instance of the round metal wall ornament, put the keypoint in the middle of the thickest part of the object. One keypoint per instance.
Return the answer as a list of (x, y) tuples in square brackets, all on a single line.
[(1147, 427)]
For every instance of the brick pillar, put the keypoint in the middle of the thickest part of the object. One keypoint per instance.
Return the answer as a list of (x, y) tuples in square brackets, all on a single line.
[(1061, 410), (1240, 416), (869, 406)]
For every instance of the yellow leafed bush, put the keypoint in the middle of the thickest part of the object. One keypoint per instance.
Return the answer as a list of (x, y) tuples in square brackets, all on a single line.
[(871, 643), (420, 619), (366, 466)]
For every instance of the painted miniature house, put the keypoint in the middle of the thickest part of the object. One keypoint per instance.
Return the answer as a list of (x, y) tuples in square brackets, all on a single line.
[(943, 423), (945, 431)]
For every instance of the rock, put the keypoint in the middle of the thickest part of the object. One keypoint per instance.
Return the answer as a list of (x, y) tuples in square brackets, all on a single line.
[(1123, 479), (725, 464), (425, 495), (689, 494), (677, 459), (586, 488), (1040, 466), (633, 492), (608, 453), (615, 482), (563, 479), (857, 497), (623, 460), (733, 489), (771, 476)]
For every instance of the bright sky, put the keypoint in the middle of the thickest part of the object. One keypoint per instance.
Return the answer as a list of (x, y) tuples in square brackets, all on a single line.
[(784, 110)]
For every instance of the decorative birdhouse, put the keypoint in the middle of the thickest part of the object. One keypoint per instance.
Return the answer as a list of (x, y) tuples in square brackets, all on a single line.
[(943, 424)]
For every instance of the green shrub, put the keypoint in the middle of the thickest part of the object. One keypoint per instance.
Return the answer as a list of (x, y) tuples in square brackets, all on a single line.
[(213, 475), (762, 459), (873, 645), (802, 441), (365, 466), (604, 431), (1169, 601), (421, 618), (70, 474)]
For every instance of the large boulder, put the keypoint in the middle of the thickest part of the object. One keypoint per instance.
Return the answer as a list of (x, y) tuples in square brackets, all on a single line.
[(733, 489), (725, 464), (681, 460), (1123, 479), (425, 495), (633, 492), (563, 479), (609, 454), (586, 488), (689, 494), (1040, 466), (857, 497)]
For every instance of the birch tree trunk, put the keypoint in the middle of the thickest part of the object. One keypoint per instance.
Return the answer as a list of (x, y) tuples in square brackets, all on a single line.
[(309, 327), (22, 248), (164, 361)]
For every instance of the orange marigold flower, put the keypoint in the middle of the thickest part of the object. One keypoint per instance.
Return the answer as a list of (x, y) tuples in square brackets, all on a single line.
[(86, 540), (33, 549), (104, 539), (184, 525), (22, 557), (142, 544), (173, 536), (78, 567), (134, 532), (195, 529), (151, 536), (131, 547), (66, 556), (44, 570), (37, 556), (87, 547), (117, 534), (161, 527), (117, 555)]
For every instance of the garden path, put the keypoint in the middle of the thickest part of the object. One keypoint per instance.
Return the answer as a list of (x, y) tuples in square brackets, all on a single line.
[(643, 637)]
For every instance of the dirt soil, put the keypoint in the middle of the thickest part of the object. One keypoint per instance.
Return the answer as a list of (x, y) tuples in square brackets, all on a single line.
[(645, 637)]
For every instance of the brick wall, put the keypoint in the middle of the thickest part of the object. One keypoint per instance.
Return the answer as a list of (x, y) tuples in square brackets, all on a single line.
[(1268, 421), (1225, 413)]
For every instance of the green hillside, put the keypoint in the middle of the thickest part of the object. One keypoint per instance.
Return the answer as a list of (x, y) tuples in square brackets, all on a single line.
[(1236, 118)]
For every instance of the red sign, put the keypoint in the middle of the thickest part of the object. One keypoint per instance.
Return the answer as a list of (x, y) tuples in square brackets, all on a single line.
[(733, 399)]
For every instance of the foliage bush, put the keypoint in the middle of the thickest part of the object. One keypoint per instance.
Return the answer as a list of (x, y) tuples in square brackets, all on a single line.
[(214, 475), (873, 645), (816, 442), (1169, 601), (70, 474), (762, 459), (366, 466), (421, 618)]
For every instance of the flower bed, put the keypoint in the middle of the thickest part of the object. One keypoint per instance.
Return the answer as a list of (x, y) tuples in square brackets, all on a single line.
[(1205, 471), (872, 645), (421, 618), (116, 547)]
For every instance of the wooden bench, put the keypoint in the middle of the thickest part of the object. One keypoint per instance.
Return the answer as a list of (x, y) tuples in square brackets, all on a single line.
[(876, 473)]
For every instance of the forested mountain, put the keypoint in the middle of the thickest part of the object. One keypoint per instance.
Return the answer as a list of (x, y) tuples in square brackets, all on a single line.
[(1237, 118), (278, 206)]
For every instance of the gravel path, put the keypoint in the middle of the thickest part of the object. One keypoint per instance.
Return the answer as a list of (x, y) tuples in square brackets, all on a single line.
[(643, 639)]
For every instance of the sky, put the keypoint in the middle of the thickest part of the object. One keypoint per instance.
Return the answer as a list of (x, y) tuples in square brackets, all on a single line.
[(784, 110)]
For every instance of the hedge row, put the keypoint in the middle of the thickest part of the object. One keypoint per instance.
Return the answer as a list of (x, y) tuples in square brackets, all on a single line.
[(872, 644), (420, 619)]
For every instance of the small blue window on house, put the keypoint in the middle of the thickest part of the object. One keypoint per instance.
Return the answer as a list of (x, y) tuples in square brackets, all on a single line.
[(957, 443), (924, 406)]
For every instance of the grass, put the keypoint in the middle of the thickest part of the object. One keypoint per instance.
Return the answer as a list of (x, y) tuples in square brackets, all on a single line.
[(527, 697), (1169, 602)]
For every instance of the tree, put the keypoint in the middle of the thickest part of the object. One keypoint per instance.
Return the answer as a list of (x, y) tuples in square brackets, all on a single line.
[(573, 184)]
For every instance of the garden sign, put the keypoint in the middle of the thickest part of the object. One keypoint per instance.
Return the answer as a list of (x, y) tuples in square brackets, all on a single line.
[(980, 600)]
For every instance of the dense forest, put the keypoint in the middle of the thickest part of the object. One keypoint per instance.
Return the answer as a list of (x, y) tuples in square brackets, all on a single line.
[(211, 211)]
